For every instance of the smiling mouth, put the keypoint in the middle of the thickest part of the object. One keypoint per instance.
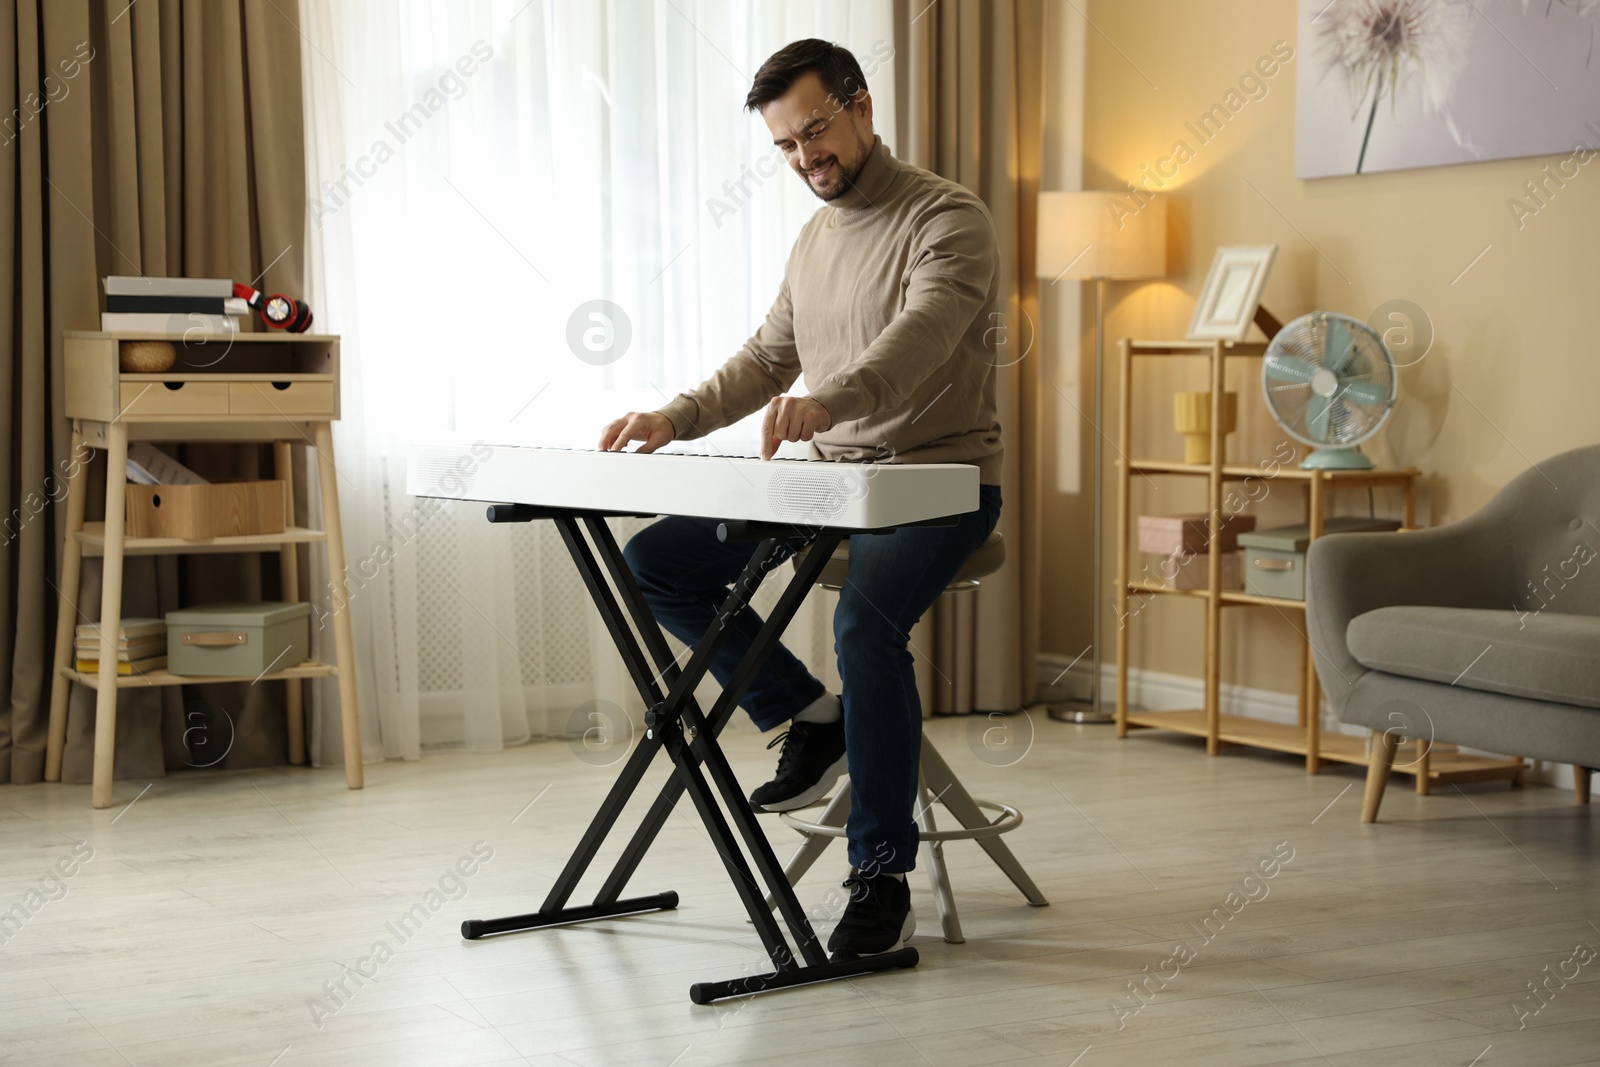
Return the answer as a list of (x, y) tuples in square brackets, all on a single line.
[(817, 174)]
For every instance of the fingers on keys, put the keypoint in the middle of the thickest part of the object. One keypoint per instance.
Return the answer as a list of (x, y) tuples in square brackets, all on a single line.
[(648, 428), (616, 436), (769, 443), (791, 418), (781, 424)]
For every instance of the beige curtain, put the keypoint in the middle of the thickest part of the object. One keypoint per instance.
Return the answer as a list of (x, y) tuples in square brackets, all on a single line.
[(969, 88), (159, 137)]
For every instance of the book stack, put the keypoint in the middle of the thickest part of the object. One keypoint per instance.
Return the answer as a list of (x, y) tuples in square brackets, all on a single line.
[(172, 305), (141, 646)]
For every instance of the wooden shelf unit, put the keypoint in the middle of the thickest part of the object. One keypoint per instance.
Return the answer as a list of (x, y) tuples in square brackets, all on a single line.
[(1305, 737), (232, 388), (93, 539), (1432, 768), (161, 676)]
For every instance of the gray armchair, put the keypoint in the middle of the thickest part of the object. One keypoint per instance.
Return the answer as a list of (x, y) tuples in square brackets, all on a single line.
[(1484, 633)]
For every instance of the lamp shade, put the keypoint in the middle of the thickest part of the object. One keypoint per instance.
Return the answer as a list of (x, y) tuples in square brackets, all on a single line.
[(1101, 235)]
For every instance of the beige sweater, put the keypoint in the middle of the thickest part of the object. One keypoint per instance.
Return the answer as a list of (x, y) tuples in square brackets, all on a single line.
[(886, 307)]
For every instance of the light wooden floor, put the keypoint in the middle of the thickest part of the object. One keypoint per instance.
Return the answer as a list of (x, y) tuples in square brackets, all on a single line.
[(217, 905)]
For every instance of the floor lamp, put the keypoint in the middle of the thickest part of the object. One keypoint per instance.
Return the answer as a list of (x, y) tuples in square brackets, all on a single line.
[(1099, 237)]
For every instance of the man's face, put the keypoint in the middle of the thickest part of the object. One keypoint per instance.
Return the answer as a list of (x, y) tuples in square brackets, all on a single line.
[(825, 142)]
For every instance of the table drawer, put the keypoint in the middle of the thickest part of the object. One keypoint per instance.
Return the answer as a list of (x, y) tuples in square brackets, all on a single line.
[(173, 398), (282, 398)]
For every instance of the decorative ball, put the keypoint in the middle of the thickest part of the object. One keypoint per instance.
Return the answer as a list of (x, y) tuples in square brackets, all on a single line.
[(147, 357)]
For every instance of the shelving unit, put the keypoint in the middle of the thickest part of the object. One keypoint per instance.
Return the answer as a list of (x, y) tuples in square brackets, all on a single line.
[(235, 388), (146, 679), (93, 539), (1305, 737)]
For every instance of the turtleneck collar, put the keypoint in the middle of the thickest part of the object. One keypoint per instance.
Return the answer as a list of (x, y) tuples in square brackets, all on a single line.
[(870, 186)]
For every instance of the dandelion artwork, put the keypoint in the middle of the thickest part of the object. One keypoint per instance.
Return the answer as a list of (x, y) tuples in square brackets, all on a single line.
[(1394, 84)]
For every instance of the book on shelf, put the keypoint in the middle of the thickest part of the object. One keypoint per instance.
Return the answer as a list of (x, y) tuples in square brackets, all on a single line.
[(178, 305), (124, 667), (130, 629), (148, 465), (138, 285), (139, 648), (160, 322)]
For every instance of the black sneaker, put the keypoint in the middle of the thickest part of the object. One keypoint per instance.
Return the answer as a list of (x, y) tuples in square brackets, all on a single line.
[(877, 919), (811, 761)]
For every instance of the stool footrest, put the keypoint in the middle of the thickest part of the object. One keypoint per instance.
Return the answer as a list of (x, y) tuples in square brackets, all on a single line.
[(937, 787), (1009, 819)]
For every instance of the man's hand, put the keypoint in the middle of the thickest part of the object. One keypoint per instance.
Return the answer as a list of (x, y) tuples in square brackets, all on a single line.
[(650, 427), (792, 418)]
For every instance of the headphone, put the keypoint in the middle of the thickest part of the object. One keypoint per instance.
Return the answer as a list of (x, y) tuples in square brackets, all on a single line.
[(277, 311)]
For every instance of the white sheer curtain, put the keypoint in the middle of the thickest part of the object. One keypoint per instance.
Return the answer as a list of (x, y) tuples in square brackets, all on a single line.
[(481, 170)]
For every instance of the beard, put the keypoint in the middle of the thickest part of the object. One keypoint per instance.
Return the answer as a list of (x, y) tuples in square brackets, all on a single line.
[(837, 178)]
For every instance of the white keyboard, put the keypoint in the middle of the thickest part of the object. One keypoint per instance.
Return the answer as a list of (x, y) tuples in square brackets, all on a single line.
[(804, 492)]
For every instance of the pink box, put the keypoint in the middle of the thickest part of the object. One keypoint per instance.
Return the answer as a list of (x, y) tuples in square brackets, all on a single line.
[(1167, 534), (1192, 570)]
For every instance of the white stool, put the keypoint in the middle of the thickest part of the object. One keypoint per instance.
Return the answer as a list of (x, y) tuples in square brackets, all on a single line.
[(936, 783)]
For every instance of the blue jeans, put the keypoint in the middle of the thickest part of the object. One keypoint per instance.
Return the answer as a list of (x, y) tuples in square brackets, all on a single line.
[(684, 573)]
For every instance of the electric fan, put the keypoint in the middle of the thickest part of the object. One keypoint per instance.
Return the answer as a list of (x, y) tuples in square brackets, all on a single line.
[(1330, 382)]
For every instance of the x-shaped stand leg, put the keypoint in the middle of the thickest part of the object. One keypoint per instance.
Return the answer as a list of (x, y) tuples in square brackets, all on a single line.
[(670, 712)]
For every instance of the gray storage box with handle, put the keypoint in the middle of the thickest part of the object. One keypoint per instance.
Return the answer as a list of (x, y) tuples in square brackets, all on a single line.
[(1275, 560), (244, 640)]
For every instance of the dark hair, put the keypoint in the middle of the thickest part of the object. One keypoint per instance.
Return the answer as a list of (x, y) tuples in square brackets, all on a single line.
[(835, 65)]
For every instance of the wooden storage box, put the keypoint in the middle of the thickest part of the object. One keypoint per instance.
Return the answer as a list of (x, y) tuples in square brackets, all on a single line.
[(200, 512), (1168, 534), (244, 640), (1275, 560)]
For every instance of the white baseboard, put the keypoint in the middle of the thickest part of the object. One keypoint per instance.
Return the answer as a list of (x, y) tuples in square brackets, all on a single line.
[(1062, 681), (1160, 691)]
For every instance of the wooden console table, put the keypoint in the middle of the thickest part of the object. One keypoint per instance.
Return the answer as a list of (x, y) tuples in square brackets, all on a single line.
[(247, 387)]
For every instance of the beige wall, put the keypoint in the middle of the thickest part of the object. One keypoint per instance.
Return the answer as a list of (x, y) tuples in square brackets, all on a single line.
[(1514, 372)]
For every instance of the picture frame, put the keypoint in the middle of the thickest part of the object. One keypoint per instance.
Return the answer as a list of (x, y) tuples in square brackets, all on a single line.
[(1469, 89), (1227, 305)]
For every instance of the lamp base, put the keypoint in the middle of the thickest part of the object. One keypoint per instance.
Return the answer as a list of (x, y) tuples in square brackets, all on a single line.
[(1080, 712)]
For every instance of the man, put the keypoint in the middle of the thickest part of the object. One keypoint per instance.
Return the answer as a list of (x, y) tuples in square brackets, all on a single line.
[(885, 305)]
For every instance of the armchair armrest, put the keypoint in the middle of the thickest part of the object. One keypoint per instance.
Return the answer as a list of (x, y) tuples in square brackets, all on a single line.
[(1465, 564)]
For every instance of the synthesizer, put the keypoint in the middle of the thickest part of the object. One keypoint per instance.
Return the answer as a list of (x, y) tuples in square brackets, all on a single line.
[(858, 496)]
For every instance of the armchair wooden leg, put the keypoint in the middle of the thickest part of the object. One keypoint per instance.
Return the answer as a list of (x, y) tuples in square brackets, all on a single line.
[(1424, 779), (1580, 781), (1378, 768)]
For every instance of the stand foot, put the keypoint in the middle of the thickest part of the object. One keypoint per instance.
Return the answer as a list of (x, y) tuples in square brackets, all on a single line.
[(1075, 712), (706, 992), (473, 929)]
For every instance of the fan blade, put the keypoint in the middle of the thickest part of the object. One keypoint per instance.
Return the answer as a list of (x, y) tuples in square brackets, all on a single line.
[(1366, 394), (1283, 368), (1317, 412), (1342, 420), (1339, 345)]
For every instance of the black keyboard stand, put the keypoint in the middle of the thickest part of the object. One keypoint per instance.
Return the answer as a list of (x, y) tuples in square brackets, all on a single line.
[(675, 723)]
